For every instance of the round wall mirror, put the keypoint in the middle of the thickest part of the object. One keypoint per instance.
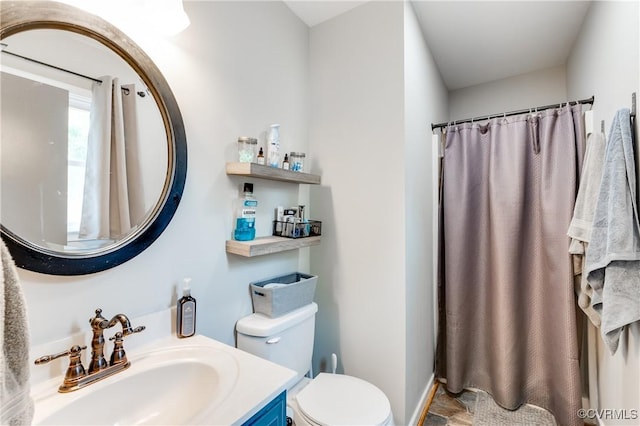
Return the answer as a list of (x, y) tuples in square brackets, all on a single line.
[(93, 152)]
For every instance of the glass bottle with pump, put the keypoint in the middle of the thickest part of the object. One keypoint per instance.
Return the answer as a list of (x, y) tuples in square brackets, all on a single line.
[(186, 312), (246, 215), (273, 147)]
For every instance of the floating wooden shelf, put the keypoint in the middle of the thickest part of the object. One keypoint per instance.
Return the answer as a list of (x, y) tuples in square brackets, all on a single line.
[(266, 172), (268, 245)]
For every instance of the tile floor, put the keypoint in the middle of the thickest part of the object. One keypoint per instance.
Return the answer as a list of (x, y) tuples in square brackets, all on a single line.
[(449, 409)]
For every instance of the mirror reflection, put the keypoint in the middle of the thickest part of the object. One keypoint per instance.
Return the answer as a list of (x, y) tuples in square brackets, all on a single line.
[(81, 166)]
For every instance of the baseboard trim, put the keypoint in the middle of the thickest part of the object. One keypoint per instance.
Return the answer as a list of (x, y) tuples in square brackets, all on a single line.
[(421, 403)]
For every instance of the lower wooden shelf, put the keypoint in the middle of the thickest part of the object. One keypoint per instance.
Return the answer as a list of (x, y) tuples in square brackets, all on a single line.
[(268, 245)]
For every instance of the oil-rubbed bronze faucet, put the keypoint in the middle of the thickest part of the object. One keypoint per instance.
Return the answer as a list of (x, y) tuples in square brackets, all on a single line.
[(99, 324), (76, 377)]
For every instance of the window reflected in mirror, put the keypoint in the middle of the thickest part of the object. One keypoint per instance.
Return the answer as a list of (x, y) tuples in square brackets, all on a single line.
[(79, 110)]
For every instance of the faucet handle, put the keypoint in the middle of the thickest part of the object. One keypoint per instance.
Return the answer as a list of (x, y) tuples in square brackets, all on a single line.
[(75, 370), (74, 350), (118, 356)]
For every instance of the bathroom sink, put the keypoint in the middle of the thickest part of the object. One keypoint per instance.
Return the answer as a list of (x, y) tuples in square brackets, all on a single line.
[(196, 380), (179, 385)]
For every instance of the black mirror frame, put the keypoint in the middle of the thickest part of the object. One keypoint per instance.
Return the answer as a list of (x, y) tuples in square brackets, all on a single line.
[(17, 16)]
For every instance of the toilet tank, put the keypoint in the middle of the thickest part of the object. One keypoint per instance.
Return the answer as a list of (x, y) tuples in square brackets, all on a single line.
[(286, 340)]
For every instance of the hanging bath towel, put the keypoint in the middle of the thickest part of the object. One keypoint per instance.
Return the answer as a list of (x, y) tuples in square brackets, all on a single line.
[(613, 254), (582, 222), (16, 405)]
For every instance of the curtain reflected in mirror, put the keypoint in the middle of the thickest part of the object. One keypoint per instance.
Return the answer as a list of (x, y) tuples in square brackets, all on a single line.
[(113, 193)]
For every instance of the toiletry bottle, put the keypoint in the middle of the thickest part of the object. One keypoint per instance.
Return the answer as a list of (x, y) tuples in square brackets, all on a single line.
[(186, 312), (285, 163), (246, 215), (273, 148), (279, 221), (261, 157)]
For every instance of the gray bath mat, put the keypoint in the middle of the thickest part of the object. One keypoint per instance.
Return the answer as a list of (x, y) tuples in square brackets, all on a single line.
[(488, 413)]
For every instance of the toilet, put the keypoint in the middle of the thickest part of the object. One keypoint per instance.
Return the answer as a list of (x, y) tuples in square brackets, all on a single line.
[(328, 399)]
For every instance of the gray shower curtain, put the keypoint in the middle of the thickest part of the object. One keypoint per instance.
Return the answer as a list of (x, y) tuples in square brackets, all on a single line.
[(507, 318)]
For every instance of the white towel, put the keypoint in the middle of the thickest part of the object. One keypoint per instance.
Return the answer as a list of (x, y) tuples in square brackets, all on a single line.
[(613, 255), (16, 406), (581, 223)]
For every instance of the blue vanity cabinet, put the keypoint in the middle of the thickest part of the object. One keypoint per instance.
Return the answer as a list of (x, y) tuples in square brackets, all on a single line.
[(273, 414)]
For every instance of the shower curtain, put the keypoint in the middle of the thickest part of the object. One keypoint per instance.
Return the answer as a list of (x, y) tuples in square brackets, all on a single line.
[(113, 200), (507, 321)]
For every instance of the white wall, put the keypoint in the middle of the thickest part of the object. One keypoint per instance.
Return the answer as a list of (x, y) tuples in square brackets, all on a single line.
[(374, 90), (425, 102), (239, 67), (604, 63), (34, 192), (356, 142), (537, 88)]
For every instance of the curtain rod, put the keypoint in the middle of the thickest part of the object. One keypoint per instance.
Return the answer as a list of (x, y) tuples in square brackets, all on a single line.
[(505, 114), (49, 65), (97, 80)]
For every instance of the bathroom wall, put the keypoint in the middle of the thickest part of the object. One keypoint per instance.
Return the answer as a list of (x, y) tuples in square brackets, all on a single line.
[(425, 100), (237, 68), (374, 88), (604, 62), (537, 88), (35, 183)]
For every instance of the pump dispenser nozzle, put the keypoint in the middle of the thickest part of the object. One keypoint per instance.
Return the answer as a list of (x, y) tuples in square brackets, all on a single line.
[(186, 287)]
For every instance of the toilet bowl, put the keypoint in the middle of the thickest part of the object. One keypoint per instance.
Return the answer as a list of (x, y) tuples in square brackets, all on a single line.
[(327, 399), (337, 399)]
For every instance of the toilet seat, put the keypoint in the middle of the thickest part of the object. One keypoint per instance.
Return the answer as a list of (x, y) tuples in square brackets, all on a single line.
[(336, 399)]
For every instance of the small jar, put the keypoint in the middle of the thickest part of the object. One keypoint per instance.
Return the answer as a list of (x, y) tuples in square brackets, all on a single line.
[(247, 149), (296, 161)]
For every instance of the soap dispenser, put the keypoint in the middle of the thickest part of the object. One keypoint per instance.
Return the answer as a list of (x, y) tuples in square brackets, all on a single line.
[(186, 312)]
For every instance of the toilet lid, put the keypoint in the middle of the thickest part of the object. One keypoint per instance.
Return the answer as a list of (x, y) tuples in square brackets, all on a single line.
[(336, 399)]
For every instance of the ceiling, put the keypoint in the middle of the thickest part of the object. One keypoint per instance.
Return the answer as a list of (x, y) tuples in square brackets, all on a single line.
[(475, 42), (313, 12)]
